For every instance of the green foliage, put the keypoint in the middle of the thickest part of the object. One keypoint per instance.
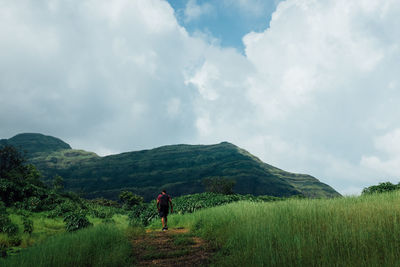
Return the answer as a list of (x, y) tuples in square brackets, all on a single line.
[(6, 226), (75, 221), (103, 245), (64, 208), (37, 143), (380, 188), (11, 162), (219, 185), (28, 225), (105, 202), (145, 213), (58, 183), (19, 182), (2, 208), (179, 169), (129, 199)]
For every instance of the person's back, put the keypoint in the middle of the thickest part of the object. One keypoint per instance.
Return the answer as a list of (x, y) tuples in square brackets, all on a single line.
[(164, 200), (163, 203)]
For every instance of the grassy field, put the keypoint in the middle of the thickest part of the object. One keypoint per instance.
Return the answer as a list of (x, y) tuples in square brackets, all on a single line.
[(102, 245), (44, 228), (351, 231)]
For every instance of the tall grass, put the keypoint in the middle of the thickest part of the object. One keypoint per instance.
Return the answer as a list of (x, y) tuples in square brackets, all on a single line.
[(103, 245), (351, 231)]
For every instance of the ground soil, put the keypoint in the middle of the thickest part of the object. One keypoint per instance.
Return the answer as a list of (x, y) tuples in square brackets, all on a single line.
[(174, 247)]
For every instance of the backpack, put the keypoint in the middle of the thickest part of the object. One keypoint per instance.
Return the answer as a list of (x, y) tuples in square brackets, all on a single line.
[(164, 200)]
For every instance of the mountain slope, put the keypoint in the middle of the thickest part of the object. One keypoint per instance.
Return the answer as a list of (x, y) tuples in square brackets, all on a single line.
[(177, 168), (34, 143)]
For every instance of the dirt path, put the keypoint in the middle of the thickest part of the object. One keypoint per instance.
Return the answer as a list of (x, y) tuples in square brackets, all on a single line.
[(175, 247)]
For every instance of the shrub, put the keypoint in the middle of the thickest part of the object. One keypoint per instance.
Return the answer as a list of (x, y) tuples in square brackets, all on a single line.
[(75, 221), (2, 208), (33, 204), (3, 250), (63, 209), (129, 199), (6, 226), (28, 225)]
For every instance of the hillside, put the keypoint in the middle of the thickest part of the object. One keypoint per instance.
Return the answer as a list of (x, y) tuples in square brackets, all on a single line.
[(177, 168), (35, 143)]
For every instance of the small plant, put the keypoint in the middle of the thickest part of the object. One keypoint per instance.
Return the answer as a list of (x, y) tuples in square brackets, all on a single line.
[(75, 221), (28, 225), (6, 226), (3, 250), (10, 229), (2, 208)]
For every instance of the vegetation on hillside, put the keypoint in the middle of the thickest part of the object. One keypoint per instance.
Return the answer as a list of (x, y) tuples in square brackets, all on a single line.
[(31, 211), (35, 143), (181, 169), (41, 223)]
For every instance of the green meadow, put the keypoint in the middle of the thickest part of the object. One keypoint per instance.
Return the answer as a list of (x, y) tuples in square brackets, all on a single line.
[(347, 231), (102, 245)]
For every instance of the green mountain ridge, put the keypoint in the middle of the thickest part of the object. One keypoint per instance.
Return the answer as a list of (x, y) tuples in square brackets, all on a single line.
[(179, 169)]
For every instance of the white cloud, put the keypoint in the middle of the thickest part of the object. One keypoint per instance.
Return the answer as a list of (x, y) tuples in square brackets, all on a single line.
[(316, 92), (321, 83), (387, 160)]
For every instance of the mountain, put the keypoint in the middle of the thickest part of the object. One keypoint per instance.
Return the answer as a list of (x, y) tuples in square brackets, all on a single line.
[(177, 168), (36, 143)]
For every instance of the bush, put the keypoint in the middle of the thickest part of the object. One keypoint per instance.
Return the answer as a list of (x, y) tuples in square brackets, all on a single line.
[(129, 199), (33, 204), (28, 225), (6, 226), (75, 221), (3, 250), (63, 209)]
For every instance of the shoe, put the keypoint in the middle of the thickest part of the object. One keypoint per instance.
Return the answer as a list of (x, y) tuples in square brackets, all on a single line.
[(164, 229)]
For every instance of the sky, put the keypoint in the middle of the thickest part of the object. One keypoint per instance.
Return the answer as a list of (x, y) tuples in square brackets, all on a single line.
[(307, 86)]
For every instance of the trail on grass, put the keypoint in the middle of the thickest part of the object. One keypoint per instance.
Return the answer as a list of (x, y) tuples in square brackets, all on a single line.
[(175, 247)]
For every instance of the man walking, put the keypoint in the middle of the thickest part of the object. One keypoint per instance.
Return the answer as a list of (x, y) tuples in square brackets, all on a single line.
[(163, 202)]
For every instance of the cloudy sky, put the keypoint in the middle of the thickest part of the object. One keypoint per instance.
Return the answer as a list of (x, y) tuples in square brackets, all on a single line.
[(309, 86)]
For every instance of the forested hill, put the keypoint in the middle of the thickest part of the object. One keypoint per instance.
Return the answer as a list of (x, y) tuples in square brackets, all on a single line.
[(180, 169)]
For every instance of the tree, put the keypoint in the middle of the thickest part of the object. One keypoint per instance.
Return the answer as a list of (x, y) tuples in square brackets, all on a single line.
[(58, 183), (380, 188), (129, 199), (11, 162), (219, 185), (18, 181)]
